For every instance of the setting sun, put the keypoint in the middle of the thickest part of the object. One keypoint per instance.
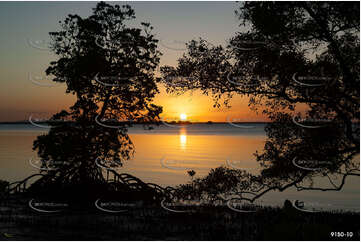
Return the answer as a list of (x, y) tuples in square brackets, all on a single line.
[(183, 116)]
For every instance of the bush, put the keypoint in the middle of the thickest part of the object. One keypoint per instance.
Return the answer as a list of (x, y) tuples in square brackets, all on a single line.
[(3, 185)]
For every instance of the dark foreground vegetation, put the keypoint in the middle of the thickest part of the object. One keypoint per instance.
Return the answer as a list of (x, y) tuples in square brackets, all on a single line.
[(19, 222)]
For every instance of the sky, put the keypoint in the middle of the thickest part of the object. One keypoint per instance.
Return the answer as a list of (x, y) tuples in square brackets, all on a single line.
[(24, 28)]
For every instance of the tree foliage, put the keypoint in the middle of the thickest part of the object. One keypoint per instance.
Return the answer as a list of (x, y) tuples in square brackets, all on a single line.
[(291, 54), (109, 68)]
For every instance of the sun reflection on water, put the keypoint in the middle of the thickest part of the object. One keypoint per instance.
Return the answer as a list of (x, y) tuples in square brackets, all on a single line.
[(183, 138)]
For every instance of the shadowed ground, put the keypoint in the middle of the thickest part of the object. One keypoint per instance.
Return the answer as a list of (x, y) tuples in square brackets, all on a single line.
[(19, 222)]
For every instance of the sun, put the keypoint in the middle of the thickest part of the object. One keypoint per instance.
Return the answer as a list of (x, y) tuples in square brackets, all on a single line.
[(183, 116)]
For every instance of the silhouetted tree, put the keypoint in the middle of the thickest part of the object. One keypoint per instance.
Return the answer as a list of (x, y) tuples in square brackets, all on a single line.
[(109, 68), (290, 53)]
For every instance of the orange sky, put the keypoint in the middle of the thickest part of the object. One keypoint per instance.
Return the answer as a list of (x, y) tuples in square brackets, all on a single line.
[(199, 108), (174, 24), (44, 101)]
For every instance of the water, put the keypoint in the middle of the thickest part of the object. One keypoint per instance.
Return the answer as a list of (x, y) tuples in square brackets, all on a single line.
[(165, 154)]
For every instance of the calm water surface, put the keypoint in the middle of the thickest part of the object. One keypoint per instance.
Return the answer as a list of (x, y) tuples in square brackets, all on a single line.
[(164, 155)]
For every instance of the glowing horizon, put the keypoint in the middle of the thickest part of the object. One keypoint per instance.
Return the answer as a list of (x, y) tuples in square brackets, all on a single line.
[(22, 61)]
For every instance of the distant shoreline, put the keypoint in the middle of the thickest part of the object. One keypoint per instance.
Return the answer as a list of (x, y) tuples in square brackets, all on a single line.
[(209, 123)]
